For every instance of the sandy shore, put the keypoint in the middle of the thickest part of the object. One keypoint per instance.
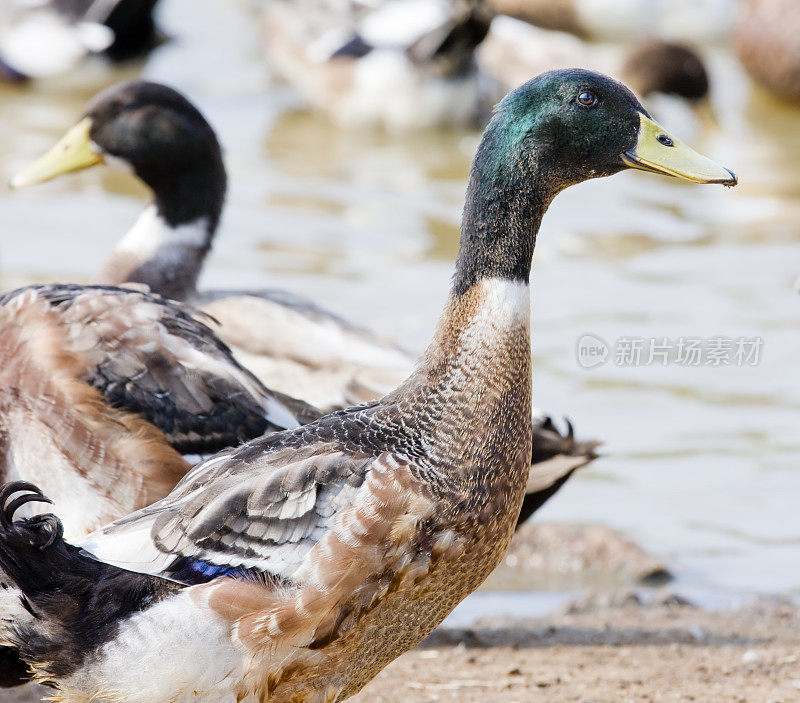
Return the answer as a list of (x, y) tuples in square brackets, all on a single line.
[(618, 655), (611, 654)]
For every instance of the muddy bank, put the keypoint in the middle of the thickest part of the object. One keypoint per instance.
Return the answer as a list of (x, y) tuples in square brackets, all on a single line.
[(606, 649), (631, 653), (565, 557)]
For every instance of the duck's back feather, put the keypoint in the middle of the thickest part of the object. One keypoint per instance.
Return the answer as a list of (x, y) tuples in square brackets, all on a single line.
[(155, 358), (259, 507)]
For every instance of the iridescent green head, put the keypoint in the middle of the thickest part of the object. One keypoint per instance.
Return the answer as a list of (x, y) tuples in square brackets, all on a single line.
[(575, 124)]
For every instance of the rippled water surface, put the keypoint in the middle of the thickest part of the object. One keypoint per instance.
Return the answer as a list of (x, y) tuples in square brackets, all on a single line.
[(701, 463)]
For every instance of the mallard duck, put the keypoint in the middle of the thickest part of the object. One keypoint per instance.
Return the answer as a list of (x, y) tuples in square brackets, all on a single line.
[(47, 38), (291, 344), (397, 64), (294, 568), (695, 21), (653, 69), (766, 42)]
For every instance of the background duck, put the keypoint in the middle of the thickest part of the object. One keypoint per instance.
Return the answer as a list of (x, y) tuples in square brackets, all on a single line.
[(397, 64), (298, 566), (766, 42), (165, 141), (39, 41), (663, 73), (48, 38), (292, 345), (105, 393), (697, 21)]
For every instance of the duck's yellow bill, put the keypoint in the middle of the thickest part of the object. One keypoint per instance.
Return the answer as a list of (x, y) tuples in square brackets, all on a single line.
[(73, 152), (659, 152)]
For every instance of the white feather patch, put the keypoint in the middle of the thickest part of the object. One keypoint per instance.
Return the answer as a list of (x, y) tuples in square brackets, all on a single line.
[(504, 305), (400, 23), (150, 233), (175, 651)]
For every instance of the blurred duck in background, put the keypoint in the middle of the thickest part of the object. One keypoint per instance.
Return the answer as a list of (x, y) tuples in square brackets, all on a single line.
[(405, 64), (768, 44), (47, 38), (397, 64), (696, 21), (669, 77), (291, 344)]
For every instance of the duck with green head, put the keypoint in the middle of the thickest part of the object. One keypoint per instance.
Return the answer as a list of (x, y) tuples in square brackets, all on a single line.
[(292, 345), (294, 568)]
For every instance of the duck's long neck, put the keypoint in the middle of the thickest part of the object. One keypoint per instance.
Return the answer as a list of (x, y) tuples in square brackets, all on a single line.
[(168, 244), (488, 309), (479, 361)]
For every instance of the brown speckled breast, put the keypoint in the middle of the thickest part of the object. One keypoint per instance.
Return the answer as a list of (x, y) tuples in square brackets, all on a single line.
[(473, 477)]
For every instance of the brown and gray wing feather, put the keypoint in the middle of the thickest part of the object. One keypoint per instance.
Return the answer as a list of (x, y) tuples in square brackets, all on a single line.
[(260, 508), (153, 357)]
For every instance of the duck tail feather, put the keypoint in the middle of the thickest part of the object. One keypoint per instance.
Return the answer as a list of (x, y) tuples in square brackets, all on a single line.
[(549, 442), (554, 458), (23, 541), (56, 602)]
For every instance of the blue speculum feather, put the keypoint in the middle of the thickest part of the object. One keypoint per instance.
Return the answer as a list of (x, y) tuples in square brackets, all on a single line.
[(195, 571)]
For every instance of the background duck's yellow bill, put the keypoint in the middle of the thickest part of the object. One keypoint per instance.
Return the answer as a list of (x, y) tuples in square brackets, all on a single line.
[(72, 153), (657, 151)]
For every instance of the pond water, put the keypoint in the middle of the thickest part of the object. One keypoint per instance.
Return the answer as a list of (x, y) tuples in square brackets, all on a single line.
[(702, 463)]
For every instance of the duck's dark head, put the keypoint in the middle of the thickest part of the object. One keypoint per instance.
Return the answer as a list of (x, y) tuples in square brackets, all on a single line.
[(154, 132), (135, 31), (571, 125)]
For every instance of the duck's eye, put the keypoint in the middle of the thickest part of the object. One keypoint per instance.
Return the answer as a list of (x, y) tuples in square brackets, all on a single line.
[(665, 140), (586, 99)]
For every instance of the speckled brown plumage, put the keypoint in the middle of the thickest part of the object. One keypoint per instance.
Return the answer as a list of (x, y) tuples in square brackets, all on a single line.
[(462, 498)]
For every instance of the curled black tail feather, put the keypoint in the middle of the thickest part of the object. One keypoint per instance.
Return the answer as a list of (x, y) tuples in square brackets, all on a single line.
[(554, 458), (77, 602), (40, 531), (34, 494)]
